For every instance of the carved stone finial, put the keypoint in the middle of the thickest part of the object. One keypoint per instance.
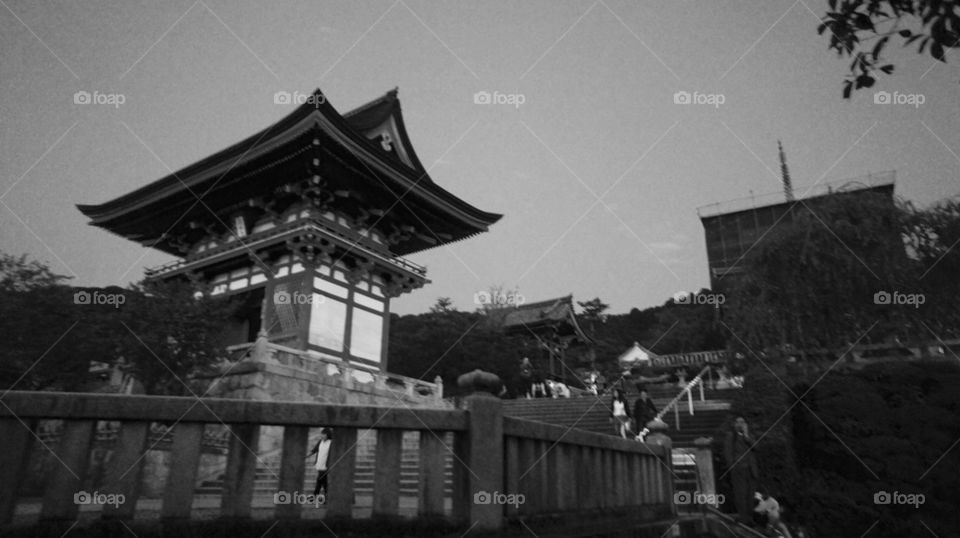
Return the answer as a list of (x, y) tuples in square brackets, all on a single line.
[(479, 381)]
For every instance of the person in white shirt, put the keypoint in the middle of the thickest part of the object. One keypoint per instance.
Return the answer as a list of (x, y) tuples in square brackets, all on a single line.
[(769, 507), (322, 450), (620, 411)]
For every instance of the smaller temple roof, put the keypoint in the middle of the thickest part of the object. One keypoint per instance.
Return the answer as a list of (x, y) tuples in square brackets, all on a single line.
[(553, 315), (636, 354)]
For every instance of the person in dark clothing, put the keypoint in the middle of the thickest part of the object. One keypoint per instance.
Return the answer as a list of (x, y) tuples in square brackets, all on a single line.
[(526, 379), (742, 468), (644, 410)]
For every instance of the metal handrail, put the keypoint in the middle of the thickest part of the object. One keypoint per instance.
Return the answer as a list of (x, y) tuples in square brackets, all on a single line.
[(687, 390)]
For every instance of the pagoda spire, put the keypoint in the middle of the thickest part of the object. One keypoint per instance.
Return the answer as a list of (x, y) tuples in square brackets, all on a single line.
[(785, 174)]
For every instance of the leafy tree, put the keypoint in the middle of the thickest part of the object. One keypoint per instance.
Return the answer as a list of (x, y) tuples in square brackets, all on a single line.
[(450, 344), (812, 283), (443, 304), (931, 238), (169, 334), (160, 331), (861, 29)]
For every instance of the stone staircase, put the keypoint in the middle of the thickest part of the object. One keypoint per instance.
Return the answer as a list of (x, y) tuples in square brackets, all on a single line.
[(592, 413)]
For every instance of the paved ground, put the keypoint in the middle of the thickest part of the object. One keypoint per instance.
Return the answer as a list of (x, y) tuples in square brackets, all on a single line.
[(208, 507)]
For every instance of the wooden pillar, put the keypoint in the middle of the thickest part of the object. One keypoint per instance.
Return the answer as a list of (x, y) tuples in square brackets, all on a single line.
[(386, 473), (292, 466), (341, 463), (432, 474), (241, 471), (181, 482), (123, 475), (527, 483), (512, 470), (15, 441), (68, 471)]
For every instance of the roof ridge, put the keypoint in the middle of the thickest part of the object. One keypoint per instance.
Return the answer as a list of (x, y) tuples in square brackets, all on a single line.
[(389, 96)]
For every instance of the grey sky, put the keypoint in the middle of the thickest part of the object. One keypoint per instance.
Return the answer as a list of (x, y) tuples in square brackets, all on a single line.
[(598, 119)]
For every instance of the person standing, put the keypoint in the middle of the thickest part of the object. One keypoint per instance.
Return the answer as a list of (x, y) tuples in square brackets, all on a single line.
[(620, 411), (742, 467), (322, 450), (644, 410), (526, 379)]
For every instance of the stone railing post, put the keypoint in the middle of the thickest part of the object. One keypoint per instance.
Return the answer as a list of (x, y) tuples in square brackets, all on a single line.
[(481, 452), (704, 458), (659, 438), (438, 394), (261, 351)]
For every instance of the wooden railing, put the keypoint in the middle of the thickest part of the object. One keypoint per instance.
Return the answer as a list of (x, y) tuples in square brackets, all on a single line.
[(544, 469)]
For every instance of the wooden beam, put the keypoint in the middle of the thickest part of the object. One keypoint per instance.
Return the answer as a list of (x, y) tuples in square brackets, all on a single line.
[(74, 406)]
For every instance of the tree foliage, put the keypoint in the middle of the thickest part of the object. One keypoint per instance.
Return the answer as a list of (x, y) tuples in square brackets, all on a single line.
[(861, 29), (813, 283), (160, 332), (888, 428)]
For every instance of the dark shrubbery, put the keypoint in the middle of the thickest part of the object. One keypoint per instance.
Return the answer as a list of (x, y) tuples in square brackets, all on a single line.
[(890, 428)]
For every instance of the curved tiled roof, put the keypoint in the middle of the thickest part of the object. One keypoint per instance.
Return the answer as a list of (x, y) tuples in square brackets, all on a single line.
[(129, 215)]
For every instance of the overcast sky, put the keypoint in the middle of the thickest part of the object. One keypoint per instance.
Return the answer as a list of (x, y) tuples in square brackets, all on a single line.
[(598, 172)]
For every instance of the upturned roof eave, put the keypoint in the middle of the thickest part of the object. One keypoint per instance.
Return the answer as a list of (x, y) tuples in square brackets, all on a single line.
[(261, 144)]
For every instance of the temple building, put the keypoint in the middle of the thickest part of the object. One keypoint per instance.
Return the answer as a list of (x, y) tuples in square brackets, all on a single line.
[(552, 325), (307, 221)]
